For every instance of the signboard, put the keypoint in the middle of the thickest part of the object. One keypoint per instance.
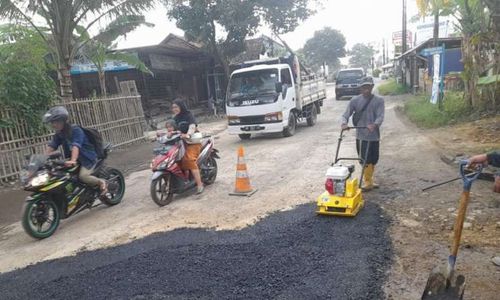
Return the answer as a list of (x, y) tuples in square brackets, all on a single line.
[(88, 67), (436, 79), (432, 51), (397, 38), (425, 31)]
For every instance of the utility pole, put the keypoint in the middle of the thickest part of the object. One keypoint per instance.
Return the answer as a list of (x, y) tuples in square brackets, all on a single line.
[(403, 45), (383, 51), (404, 28)]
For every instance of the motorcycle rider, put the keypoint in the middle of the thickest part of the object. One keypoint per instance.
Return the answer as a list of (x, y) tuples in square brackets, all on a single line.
[(76, 146), (187, 125)]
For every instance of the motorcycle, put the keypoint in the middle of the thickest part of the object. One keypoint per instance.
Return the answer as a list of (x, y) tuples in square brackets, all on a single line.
[(168, 178), (58, 194)]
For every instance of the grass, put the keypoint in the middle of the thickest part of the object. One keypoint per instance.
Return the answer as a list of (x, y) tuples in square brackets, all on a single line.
[(391, 88), (425, 114)]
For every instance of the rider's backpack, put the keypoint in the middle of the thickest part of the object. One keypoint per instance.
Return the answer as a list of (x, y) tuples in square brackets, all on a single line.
[(95, 138)]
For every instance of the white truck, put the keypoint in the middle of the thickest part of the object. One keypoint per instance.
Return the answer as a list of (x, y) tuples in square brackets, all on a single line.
[(272, 95)]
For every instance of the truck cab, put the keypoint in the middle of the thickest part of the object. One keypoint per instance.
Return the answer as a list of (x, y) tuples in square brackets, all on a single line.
[(266, 98)]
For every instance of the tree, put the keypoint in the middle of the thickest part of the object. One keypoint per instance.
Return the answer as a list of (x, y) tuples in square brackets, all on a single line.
[(479, 37), (25, 86), (326, 46), (98, 49), (204, 21), (361, 56), (61, 20)]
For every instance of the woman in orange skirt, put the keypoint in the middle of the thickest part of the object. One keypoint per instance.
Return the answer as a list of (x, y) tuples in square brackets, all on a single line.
[(186, 123)]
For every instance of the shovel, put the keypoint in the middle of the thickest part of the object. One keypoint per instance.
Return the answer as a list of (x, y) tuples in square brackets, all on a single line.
[(442, 284)]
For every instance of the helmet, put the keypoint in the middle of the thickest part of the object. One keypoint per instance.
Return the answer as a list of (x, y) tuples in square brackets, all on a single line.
[(368, 80), (56, 113)]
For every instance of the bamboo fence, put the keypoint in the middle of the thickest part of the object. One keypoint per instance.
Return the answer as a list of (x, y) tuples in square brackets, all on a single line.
[(120, 120)]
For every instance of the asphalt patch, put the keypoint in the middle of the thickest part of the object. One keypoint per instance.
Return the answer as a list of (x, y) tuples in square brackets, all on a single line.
[(288, 255)]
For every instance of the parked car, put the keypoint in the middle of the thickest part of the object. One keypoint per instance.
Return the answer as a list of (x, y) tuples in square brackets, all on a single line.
[(347, 82)]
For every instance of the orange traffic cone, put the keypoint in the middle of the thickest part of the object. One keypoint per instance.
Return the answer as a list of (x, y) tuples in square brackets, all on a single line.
[(242, 187)]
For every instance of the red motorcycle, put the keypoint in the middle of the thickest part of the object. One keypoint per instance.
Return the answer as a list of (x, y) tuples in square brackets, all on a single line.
[(168, 178)]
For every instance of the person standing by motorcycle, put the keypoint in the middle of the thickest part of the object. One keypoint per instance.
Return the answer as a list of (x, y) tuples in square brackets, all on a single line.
[(186, 124), (368, 111), (76, 146)]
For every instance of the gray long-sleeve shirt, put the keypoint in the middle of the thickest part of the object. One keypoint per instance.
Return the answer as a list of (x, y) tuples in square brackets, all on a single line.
[(373, 114)]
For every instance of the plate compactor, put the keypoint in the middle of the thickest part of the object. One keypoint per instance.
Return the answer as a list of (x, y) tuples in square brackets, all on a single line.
[(343, 195)]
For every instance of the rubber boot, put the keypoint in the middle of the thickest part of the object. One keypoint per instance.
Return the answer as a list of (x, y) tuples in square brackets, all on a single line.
[(368, 178), (375, 186)]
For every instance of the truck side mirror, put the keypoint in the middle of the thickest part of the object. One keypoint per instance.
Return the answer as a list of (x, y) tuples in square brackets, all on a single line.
[(278, 87)]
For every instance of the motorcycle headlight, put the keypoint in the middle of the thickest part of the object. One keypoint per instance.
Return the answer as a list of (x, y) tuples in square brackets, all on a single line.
[(40, 179)]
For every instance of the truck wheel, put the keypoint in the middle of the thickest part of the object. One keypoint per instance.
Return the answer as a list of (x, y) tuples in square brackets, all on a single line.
[(313, 117), (337, 97), (292, 124), (245, 136)]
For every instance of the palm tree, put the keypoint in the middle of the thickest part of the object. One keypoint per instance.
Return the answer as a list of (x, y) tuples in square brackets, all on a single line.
[(61, 18), (98, 49)]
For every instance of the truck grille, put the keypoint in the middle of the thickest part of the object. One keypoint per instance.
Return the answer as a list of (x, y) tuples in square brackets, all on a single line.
[(251, 120)]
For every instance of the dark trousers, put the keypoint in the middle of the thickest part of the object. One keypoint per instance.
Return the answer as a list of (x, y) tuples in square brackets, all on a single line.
[(373, 151)]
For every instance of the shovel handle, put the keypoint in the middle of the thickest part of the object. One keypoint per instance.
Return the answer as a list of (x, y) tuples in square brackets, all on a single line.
[(459, 222)]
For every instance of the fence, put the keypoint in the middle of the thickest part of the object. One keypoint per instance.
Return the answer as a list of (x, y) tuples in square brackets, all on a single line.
[(119, 119)]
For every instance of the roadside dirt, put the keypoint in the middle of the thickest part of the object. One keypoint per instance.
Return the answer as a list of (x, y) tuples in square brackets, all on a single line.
[(423, 221)]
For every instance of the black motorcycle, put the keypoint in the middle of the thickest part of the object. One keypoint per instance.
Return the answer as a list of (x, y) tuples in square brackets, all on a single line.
[(58, 194)]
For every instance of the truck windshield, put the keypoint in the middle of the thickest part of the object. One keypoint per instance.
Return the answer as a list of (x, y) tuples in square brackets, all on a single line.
[(350, 74), (253, 83)]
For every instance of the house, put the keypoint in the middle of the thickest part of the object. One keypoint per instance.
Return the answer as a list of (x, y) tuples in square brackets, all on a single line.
[(181, 69), (418, 69)]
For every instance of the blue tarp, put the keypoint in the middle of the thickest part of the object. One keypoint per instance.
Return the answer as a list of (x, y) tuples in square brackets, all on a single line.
[(452, 61)]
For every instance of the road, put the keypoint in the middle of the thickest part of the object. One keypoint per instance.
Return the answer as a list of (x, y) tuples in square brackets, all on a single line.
[(292, 253), (271, 245)]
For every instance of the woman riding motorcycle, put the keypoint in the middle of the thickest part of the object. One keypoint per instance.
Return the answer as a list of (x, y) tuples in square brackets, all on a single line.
[(76, 146), (186, 123)]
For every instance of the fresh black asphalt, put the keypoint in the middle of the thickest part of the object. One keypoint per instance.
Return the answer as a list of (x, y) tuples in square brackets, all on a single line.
[(288, 255)]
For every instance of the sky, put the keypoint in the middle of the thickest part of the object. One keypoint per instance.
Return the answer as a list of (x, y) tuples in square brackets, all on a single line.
[(361, 21)]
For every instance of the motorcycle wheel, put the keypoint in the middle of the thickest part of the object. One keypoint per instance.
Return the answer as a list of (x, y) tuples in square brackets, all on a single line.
[(209, 171), (40, 219), (116, 187), (161, 190)]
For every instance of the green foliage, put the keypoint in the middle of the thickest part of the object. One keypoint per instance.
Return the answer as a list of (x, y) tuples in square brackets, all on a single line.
[(326, 46), (25, 86), (202, 21), (62, 20), (425, 114), (97, 49), (376, 73), (361, 56), (391, 88)]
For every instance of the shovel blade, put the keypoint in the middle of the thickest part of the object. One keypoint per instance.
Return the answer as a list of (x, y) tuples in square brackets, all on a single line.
[(439, 287)]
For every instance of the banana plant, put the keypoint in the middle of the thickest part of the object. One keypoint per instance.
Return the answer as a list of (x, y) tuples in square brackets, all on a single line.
[(99, 49)]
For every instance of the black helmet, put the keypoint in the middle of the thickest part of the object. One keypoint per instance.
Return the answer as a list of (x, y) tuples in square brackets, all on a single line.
[(56, 113)]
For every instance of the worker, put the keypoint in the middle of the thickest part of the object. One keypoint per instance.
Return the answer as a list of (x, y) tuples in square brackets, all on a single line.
[(367, 110), (492, 158)]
